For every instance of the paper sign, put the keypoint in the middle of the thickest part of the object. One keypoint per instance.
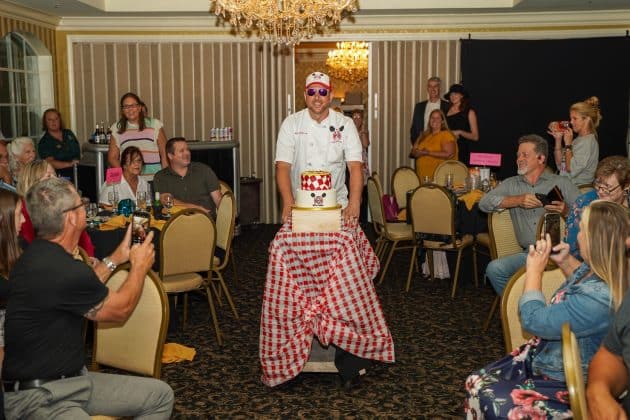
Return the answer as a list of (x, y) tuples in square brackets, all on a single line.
[(485, 159), (113, 175)]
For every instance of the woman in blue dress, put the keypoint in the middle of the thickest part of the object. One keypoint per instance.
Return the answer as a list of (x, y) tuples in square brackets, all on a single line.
[(529, 383)]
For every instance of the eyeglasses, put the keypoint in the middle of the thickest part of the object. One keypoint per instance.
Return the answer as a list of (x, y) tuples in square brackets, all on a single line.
[(73, 208), (320, 91), (130, 106), (603, 188)]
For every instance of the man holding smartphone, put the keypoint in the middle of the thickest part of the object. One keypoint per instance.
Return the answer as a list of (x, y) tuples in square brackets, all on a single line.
[(44, 374), (517, 194)]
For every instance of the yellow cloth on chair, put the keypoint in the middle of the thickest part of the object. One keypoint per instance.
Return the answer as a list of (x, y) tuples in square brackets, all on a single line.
[(174, 353), (471, 198)]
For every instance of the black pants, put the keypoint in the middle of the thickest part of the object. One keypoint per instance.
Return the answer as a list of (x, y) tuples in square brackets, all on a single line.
[(348, 364)]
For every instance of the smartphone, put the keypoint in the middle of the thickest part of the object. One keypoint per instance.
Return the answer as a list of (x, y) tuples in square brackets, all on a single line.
[(139, 226), (551, 226)]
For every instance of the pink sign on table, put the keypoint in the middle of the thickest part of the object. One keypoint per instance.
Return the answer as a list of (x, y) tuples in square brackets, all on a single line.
[(485, 159), (113, 175)]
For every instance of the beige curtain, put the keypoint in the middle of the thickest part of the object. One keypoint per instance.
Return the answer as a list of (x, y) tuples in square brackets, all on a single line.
[(192, 87), (399, 73)]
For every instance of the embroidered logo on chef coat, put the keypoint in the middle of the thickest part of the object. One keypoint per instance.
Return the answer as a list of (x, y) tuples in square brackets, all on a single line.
[(336, 133)]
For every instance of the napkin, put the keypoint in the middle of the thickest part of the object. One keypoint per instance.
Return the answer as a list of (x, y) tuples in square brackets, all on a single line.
[(471, 198), (157, 224), (116, 222), (174, 353)]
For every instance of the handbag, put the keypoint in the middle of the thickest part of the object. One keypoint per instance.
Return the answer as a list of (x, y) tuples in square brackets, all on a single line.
[(391, 208)]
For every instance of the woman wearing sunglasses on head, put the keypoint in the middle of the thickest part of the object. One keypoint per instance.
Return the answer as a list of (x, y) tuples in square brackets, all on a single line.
[(529, 383), (612, 183), (136, 129)]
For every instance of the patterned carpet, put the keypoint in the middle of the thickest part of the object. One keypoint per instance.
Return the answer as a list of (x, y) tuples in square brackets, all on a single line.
[(438, 341)]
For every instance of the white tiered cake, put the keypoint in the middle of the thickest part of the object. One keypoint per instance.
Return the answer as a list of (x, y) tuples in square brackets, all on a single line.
[(316, 208)]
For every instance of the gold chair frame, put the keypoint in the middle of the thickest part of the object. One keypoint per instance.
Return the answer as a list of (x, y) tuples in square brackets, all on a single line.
[(573, 373)]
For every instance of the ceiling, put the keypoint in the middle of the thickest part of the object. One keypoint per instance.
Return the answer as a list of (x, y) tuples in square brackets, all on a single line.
[(199, 8)]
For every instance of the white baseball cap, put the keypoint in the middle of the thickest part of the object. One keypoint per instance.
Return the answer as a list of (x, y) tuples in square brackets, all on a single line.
[(317, 78)]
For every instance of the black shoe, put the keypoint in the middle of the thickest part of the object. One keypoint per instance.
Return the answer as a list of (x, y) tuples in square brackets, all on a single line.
[(353, 382)]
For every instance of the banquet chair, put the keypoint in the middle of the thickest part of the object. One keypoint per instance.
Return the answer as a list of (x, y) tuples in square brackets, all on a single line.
[(397, 235), (573, 373), (503, 242), (433, 212), (224, 187), (513, 333), (455, 167), (404, 179), (226, 217), (135, 345), (187, 247)]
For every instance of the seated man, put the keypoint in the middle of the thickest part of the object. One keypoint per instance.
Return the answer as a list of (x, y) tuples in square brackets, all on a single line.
[(608, 373), (43, 373), (517, 194), (191, 184)]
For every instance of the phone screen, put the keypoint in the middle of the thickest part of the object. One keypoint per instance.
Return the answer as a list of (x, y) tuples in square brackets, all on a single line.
[(139, 228), (552, 227)]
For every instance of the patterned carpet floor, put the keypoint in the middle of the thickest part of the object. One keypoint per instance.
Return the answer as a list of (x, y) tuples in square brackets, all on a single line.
[(438, 342)]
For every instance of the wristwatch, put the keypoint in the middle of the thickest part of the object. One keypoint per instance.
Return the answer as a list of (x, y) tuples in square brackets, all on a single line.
[(109, 264)]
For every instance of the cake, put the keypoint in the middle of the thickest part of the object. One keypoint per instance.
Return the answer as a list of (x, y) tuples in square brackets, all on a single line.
[(316, 208), (315, 190)]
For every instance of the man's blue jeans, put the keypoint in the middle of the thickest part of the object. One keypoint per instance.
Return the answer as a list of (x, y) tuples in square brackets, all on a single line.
[(500, 271)]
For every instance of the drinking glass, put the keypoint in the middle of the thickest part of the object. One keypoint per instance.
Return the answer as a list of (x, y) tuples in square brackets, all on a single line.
[(168, 203), (448, 183), (113, 198), (141, 200), (92, 210), (426, 180), (493, 180)]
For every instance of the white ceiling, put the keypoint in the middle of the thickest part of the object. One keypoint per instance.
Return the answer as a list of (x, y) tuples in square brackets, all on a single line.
[(199, 8)]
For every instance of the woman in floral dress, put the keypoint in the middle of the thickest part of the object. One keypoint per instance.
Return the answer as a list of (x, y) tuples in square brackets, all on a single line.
[(529, 383)]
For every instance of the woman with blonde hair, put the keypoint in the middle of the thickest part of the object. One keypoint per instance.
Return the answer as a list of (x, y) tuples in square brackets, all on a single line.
[(577, 157), (530, 382), (435, 145), (32, 173), (21, 151)]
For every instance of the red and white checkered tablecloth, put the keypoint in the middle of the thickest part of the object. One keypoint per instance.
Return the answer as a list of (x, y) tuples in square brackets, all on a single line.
[(320, 284)]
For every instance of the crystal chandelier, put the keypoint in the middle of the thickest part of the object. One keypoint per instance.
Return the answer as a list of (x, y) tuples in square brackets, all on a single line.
[(349, 61), (285, 22)]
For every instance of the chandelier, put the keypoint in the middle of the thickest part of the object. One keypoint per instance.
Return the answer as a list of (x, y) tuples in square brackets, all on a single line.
[(349, 61), (285, 22)]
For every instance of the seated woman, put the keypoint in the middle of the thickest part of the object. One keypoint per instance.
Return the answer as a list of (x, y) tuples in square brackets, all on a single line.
[(21, 152), (59, 146), (612, 183), (435, 145), (11, 220), (530, 383), (131, 182), (31, 174)]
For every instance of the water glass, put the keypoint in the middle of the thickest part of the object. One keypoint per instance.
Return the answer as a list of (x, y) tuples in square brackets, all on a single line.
[(141, 200), (92, 210), (448, 181), (426, 180), (113, 198)]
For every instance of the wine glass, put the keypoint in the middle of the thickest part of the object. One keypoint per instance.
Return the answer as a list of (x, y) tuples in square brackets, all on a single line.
[(168, 203), (113, 198)]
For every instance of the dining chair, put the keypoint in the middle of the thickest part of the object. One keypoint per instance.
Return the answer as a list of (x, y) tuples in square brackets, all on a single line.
[(513, 333), (224, 187), (135, 345), (573, 373), (395, 235), (226, 217), (187, 246), (433, 212), (455, 167), (404, 179), (503, 242)]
